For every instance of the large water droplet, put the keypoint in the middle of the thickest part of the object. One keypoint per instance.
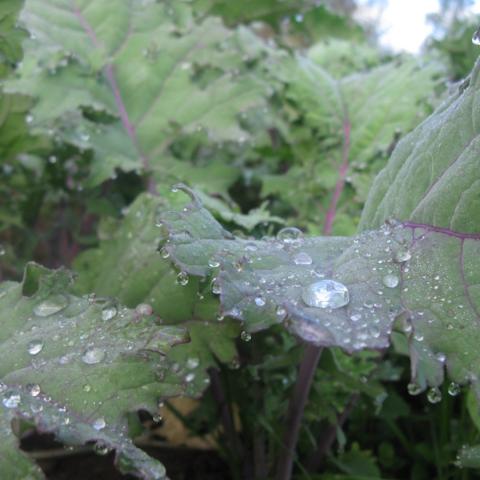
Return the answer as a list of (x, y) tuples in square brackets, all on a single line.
[(11, 400), (51, 305), (476, 37), (391, 281), (326, 294), (290, 235), (189, 377), (109, 312), (35, 347), (93, 355), (302, 258), (434, 395), (259, 301)]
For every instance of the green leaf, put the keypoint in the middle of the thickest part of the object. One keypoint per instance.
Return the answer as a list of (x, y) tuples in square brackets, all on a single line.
[(75, 366), (141, 67), (127, 265), (432, 176), (419, 277)]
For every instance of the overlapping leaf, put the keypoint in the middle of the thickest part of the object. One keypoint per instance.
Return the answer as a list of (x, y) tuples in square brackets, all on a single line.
[(75, 366), (138, 69)]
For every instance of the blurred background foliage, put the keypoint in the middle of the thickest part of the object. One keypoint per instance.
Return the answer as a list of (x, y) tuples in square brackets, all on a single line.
[(319, 93)]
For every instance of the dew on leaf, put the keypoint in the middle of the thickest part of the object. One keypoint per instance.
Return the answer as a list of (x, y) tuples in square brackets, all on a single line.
[(193, 362), (454, 389), (402, 255), (11, 400), (29, 119), (414, 388), (50, 306), (390, 281), (93, 355), (216, 287), (87, 388), (281, 312), (476, 37), (213, 263), (164, 253), (302, 258), (290, 235), (259, 301), (434, 395), (182, 279), (35, 347), (101, 448), (326, 294), (189, 377), (144, 309), (245, 336), (99, 424), (109, 312), (33, 389)]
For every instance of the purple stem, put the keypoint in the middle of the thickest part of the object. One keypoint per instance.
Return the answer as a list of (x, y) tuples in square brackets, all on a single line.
[(296, 407), (109, 74), (312, 353)]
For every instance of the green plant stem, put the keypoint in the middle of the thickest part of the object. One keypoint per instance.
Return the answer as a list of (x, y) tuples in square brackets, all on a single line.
[(295, 410)]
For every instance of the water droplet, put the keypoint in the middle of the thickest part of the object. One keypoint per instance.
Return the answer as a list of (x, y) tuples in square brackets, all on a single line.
[(51, 305), (281, 312), (220, 318), (402, 255), (454, 389), (418, 337), (164, 253), (414, 388), (302, 258), (157, 418), (391, 281), (213, 263), (259, 301), (441, 357), (193, 362), (434, 395), (290, 235), (109, 312), (29, 118), (189, 377), (216, 290), (35, 347), (245, 336), (11, 400), (250, 247), (326, 294), (182, 279), (93, 355), (100, 448), (355, 317), (144, 309), (33, 389), (3, 250), (99, 424), (476, 37), (87, 388)]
